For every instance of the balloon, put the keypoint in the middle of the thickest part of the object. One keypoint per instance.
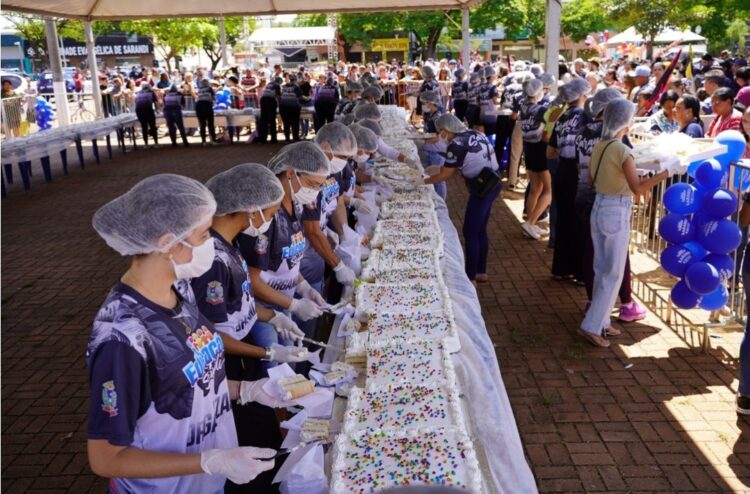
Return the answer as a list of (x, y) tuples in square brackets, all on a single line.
[(719, 236), (676, 259), (734, 142), (682, 198), (701, 218), (699, 252), (716, 299), (719, 203), (723, 263), (683, 297), (677, 228), (702, 278), (709, 174)]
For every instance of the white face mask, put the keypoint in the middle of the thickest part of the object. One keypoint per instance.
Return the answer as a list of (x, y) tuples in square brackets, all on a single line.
[(361, 158), (203, 258), (337, 164), (305, 195), (263, 228)]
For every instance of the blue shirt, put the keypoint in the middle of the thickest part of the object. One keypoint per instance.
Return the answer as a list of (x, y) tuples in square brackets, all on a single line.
[(693, 129), (470, 151)]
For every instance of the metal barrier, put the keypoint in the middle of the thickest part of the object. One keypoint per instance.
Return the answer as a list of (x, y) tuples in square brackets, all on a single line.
[(13, 117)]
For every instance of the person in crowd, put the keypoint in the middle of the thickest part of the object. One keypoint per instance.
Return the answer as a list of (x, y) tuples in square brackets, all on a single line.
[(108, 100), (488, 100), (274, 257), (745, 130), (687, 115), (508, 136), (742, 76), (641, 77), (173, 103), (353, 97), (472, 96), (433, 148), (642, 107), (469, 152), (742, 404), (663, 121), (78, 80), (164, 83), (712, 81), (367, 111), (306, 100), (269, 101), (156, 364), (613, 175), (531, 125), (249, 85), (726, 116), (290, 108), (145, 100), (445, 81), (204, 110), (326, 100), (11, 109), (460, 94)]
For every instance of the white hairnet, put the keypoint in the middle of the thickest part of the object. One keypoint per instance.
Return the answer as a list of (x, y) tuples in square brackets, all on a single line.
[(427, 71), (245, 187), (475, 76), (449, 122), (596, 104), (536, 69), (548, 80), (159, 205), (370, 111), (346, 119), (303, 156), (353, 86), (573, 90), (489, 71), (430, 97), (372, 92), (533, 87), (367, 140), (336, 138), (372, 125), (617, 115)]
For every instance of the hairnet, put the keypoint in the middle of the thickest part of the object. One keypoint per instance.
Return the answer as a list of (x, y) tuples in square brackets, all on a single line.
[(475, 76), (574, 90), (519, 66), (596, 104), (336, 138), (353, 86), (303, 156), (617, 115), (460, 73), (449, 122), (367, 140), (430, 97), (372, 92), (245, 187), (533, 87), (548, 80), (536, 69), (346, 119), (489, 71), (156, 206), (427, 71), (370, 111), (372, 125)]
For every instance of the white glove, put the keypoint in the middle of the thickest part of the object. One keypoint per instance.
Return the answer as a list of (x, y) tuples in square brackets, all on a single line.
[(287, 354), (433, 170), (253, 391), (305, 309), (286, 328), (361, 205), (416, 180), (411, 162), (344, 274), (675, 167), (305, 290), (380, 181), (240, 465)]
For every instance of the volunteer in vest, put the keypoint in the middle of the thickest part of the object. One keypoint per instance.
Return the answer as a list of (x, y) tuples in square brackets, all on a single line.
[(204, 111), (613, 175), (360, 168), (326, 99), (531, 124), (353, 97), (145, 99), (247, 197), (269, 101), (469, 152), (566, 262), (460, 94), (488, 99), (290, 108), (434, 148), (173, 102), (159, 417), (585, 196), (274, 256), (428, 85)]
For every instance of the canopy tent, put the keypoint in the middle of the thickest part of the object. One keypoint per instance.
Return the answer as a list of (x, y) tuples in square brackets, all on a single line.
[(665, 37), (293, 36)]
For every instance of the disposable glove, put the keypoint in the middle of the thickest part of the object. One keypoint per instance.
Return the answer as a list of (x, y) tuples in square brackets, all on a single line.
[(287, 354), (286, 328), (253, 391), (305, 290), (344, 274), (333, 237), (305, 309), (240, 465), (361, 205), (433, 170)]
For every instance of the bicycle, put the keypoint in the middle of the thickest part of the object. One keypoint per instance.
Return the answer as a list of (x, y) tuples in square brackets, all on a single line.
[(82, 114)]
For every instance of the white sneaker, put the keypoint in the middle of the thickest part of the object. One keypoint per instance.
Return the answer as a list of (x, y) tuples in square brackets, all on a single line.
[(530, 231), (543, 232)]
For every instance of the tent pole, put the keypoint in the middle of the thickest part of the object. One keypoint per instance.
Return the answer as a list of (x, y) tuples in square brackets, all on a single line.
[(465, 62), (223, 42), (58, 81), (552, 38), (90, 48)]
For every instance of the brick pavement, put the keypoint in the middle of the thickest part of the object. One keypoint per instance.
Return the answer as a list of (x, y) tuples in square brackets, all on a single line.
[(588, 422)]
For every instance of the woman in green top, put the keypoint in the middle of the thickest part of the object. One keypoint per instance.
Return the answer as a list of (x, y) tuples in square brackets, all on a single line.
[(613, 174)]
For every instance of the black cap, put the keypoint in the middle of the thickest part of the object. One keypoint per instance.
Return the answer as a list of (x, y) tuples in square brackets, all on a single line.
[(707, 56)]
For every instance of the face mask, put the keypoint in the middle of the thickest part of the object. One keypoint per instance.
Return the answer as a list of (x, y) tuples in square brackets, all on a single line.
[(305, 195), (337, 164), (263, 228), (361, 158), (203, 258)]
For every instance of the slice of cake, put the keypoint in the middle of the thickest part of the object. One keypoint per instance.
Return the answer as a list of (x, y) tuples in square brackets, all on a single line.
[(296, 386), (314, 430)]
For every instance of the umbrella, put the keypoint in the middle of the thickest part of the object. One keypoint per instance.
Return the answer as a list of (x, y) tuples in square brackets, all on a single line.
[(15, 80)]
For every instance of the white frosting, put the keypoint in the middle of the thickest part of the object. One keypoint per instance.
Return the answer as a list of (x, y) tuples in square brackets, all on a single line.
[(410, 298)]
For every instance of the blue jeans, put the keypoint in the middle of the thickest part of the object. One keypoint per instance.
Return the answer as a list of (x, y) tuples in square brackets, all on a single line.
[(264, 334), (475, 232), (744, 387)]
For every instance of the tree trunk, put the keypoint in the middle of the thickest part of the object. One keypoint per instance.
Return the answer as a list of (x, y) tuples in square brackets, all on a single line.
[(430, 46), (650, 46)]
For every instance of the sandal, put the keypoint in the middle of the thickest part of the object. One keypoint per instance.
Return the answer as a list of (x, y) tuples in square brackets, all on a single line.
[(482, 278), (595, 339), (612, 331)]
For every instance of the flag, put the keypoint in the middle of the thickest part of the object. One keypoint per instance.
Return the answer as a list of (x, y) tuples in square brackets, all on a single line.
[(689, 68), (661, 84)]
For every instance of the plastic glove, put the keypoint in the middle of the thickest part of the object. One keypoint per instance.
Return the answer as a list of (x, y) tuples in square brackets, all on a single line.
[(253, 391), (333, 237), (675, 167), (286, 328), (240, 465), (380, 181), (344, 274), (305, 290), (416, 181), (361, 205), (305, 309), (411, 162), (287, 354), (433, 170)]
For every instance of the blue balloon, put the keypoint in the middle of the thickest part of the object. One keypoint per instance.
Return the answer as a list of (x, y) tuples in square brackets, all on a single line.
[(723, 263), (719, 203), (716, 299), (702, 278), (741, 178), (699, 252), (676, 259), (709, 174), (682, 198), (719, 236), (677, 228), (683, 297), (734, 142)]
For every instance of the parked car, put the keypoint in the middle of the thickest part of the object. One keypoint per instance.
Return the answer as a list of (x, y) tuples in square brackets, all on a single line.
[(45, 83), (18, 81)]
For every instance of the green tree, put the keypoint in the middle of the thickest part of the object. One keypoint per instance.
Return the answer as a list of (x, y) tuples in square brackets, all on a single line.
[(172, 37), (583, 17), (233, 27)]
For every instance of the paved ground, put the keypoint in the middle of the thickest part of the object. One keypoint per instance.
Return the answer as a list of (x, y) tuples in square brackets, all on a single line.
[(589, 421)]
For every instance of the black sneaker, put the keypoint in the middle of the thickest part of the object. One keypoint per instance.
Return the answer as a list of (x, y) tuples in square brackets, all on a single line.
[(743, 405)]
